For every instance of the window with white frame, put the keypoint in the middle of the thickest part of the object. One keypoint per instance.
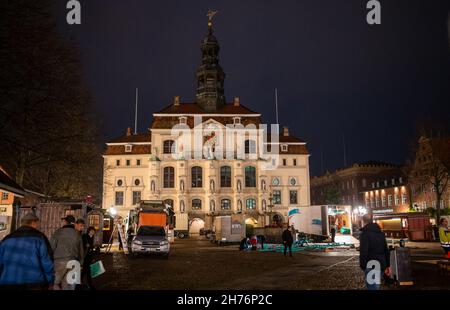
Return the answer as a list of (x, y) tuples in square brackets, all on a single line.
[(397, 200), (293, 197), (284, 148), (196, 204), (250, 204), (404, 198), (389, 200), (128, 148), (136, 197), (225, 204), (119, 199), (276, 197)]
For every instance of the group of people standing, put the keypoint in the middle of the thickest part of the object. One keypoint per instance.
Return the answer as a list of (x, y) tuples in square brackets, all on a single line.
[(29, 260)]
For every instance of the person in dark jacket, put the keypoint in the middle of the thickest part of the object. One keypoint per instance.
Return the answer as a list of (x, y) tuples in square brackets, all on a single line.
[(373, 254), (287, 241), (243, 245), (333, 232), (88, 245), (26, 257), (261, 240)]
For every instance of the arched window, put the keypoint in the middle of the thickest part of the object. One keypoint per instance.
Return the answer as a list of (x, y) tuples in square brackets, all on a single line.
[(225, 204), (250, 176), (250, 204), (169, 177), (167, 146), (225, 176), (250, 147), (196, 204), (196, 175)]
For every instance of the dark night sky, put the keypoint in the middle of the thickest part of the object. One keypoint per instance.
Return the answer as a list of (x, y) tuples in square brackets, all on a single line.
[(335, 74)]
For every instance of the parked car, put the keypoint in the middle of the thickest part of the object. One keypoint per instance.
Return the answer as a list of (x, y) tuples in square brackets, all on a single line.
[(151, 239)]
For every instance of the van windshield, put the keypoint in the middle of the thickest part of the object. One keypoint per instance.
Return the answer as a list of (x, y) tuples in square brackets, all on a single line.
[(151, 231)]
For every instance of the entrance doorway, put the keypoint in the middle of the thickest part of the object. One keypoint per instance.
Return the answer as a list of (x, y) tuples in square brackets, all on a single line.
[(250, 223), (195, 225)]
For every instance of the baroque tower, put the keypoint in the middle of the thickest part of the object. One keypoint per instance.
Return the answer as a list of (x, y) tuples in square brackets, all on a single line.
[(210, 76)]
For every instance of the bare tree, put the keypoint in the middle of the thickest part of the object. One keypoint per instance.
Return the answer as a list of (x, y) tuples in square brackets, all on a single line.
[(47, 132)]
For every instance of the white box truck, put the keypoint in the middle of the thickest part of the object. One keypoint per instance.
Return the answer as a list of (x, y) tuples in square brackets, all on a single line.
[(181, 229), (317, 221), (229, 228)]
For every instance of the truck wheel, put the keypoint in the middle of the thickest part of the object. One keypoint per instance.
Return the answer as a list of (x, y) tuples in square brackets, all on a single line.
[(181, 235)]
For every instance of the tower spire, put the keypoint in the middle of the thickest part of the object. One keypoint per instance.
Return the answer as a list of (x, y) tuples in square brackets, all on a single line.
[(210, 76)]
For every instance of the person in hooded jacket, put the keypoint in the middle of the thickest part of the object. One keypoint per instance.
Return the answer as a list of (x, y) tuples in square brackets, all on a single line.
[(373, 247)]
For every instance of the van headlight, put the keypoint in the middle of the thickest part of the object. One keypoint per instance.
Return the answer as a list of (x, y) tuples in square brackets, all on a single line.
[(137, 242), (163, 243)]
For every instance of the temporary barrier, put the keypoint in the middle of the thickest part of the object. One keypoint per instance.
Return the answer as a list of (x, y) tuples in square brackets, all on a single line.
[(401, 266)]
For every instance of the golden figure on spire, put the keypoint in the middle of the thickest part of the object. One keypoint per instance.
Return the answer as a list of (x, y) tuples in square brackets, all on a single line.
[(210, 15)]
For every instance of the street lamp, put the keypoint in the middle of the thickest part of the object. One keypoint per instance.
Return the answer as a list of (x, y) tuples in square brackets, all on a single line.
[(113, 211)]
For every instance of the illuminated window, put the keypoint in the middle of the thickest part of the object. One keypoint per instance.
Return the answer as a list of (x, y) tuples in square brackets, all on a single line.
[(196, 204), (276, 197), (293, 197), (390, 200), (225, 204), (404, 198), (250, 204)]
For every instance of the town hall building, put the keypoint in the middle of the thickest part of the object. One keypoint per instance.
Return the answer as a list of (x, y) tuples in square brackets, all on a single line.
[(196, 170)]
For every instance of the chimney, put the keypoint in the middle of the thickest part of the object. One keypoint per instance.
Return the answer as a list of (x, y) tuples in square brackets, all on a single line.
[(129, 132), (237, 101), (176, 100), (286, 131)]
